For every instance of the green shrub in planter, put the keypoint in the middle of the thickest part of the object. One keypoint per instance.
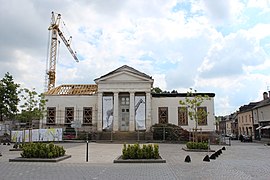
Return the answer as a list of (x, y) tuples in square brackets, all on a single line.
[(41, 150), (156, 153), (197, 145), (137, 152)]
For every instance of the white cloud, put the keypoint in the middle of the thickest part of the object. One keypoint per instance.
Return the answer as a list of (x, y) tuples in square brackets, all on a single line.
[(180, 49), (222, 12), (231, 55)]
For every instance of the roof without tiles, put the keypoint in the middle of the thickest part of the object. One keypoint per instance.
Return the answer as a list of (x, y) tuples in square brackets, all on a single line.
[(73, 89)]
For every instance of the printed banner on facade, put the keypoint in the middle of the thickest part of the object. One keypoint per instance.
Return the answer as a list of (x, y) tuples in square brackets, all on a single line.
[(37, 135), (140, 112), (107, 103)]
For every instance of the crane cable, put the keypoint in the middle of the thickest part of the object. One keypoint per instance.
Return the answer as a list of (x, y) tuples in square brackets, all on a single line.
[(68, 33)]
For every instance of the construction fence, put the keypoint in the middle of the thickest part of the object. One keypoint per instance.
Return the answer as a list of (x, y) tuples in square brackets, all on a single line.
[(37, 135)]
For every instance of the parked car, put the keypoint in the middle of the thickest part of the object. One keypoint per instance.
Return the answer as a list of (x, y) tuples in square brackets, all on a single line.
[(233, 136), (247, 138)]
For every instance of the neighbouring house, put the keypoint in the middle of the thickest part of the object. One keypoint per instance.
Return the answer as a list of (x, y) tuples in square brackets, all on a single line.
[(228, 123), (222, 125), (245, 122), (120, 101), (234, 124), (261, 117)]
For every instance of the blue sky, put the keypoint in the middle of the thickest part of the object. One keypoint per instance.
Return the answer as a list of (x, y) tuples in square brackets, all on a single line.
[(213, 46)]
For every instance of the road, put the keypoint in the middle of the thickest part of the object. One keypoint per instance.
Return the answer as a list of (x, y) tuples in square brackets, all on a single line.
[(239, 161)]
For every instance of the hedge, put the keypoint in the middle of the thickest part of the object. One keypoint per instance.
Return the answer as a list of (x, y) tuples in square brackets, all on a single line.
[(42, 150), (137, 152), (197, 145)]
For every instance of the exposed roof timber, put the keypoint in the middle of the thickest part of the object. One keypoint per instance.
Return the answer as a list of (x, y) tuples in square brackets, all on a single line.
[(73, 89)]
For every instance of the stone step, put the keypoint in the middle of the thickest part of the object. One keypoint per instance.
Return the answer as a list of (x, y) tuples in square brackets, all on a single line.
[(123, 136)]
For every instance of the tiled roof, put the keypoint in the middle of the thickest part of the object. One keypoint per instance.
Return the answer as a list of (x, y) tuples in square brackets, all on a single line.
[(262, 103)]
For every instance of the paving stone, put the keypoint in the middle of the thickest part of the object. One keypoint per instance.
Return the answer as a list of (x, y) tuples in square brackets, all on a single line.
[(239, 161)]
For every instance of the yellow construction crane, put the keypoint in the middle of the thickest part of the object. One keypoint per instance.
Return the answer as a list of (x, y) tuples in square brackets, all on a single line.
[(53, 45)]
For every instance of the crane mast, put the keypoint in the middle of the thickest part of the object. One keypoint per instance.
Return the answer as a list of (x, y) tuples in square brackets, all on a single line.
[(55, 32)]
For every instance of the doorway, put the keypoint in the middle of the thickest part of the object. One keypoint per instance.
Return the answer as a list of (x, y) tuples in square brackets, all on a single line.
[(124, 113)]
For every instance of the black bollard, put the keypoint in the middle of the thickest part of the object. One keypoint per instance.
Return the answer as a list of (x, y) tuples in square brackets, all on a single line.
[(216, 154), (223, 148), (206, 158), (220, 151), (0, 154), (188, 159), (87, 151), (213, 156)]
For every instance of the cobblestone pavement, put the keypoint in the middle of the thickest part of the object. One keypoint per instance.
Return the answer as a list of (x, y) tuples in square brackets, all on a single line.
[(239, 161)]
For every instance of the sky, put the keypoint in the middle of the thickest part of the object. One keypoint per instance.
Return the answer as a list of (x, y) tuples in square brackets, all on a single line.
[(220, 47)]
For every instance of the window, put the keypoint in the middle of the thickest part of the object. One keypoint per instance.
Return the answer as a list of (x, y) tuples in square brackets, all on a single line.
[(182, 116), (51, 114), (87, 115), (202, 112), (69, 115), (163, 115), (125, 100)]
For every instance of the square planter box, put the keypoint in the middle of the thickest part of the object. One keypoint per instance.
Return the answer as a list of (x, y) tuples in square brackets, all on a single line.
[(121, 160)]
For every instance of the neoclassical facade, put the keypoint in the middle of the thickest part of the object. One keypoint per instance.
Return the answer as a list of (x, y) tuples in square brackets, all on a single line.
[(120, 101)]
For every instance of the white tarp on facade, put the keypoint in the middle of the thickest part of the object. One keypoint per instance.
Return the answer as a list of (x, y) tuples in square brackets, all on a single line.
[(36, 135), (140, 112), (266, 127), (107, 103)]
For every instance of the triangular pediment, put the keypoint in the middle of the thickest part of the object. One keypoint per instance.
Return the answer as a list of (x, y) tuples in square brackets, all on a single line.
[(124, 74)]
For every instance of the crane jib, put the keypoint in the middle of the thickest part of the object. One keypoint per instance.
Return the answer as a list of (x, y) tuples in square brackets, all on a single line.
[(50, 72)]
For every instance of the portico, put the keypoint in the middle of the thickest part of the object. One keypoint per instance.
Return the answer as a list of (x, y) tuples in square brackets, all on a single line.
[(124, 100)]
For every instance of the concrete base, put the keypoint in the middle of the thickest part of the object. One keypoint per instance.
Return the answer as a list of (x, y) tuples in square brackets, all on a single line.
[(120, 160), (20, 159), (198, 150), (15, 149)]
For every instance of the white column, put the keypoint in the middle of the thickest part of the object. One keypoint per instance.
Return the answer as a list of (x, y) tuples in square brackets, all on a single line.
[(99, 116), (148, 111), (115, 112), (131, 112)]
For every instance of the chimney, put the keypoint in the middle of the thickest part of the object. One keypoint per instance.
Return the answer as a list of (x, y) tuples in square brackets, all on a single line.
[(265, 95)]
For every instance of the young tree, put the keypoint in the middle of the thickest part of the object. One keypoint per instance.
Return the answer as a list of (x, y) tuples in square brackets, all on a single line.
[(33, 106), (8, 97), (193, 102)]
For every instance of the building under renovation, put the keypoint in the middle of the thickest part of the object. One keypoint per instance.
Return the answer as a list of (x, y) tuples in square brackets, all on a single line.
[(120, 101)]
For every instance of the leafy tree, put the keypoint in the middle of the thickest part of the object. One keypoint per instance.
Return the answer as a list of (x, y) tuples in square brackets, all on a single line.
[(8, 97), (166, 92), (156, 90), (192, 102), (174, 92), (33, 106)]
